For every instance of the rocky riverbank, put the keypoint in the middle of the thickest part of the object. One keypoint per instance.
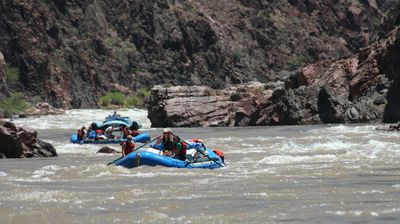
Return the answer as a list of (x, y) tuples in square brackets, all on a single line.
[(360, 88), (19, 142), (42, 108)]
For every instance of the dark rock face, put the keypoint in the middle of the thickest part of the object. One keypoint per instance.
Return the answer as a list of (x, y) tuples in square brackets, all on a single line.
[(70, 52), (362, 88), (17, 142)]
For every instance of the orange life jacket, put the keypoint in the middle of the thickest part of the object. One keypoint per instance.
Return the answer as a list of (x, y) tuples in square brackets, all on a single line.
[(128, 147), (196, 140)]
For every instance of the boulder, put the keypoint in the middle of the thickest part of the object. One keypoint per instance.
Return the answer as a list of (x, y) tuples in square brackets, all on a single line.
[(187, 106), (200, 106), (11, 145), (107, 150), (42, 108), (17, 142)]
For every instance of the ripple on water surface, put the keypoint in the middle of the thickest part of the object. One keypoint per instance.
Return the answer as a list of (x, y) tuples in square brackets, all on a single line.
[(320, 174)]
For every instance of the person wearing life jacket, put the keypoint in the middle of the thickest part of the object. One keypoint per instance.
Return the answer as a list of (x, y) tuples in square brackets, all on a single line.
[(128, 146), (109, 132), (100, 135), (171, 145), (81, 133), (134, 133), (125, 131), (90, 134)]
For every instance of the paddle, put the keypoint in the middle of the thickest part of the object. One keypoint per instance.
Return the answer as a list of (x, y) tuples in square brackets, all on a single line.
[(201, 152), (134, 150)]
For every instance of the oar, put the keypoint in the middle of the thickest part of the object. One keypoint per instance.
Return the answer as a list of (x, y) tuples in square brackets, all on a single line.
[(134, 150), (201, 152)]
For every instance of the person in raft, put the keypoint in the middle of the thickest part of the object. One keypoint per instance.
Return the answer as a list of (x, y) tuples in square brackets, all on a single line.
[(171, 145), (81, 133), (128, 146), (125, 131)]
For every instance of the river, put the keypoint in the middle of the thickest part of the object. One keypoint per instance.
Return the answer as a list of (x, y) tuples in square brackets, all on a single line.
[(282, 174)]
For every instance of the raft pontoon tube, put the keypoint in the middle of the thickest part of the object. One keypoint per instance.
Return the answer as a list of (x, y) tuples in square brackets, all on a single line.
[(141, 138), (153, 157)]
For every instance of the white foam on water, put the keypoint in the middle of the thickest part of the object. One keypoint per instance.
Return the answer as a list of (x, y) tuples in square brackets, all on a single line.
[(271, 170), (41, 196), (71, 148), (287, 159), (100, 209), (331, 145), (258, 195), (247, 150), (396, 186), (339, 213), (142, 175), (191, 196), (374, 150), (389, 211), (371, 192), (42, 173), (104, 174), (342, 129), (2, 174), (384, 148), (73, 119)]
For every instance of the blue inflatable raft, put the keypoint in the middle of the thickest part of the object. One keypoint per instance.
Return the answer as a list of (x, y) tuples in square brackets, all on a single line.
[(118, 121), (152, 157), (142, 138)]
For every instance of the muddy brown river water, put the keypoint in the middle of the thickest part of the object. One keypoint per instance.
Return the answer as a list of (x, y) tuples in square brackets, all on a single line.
[(285, 174)]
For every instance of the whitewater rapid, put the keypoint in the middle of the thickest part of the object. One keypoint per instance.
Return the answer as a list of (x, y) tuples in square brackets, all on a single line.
[(281, 174)]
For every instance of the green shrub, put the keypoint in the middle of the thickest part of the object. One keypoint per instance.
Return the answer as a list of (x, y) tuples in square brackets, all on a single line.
[(135, 101), (113, 98), (143, 91), (13, 104), (188, 7), (237, 54), (119, 99), (12, 73)]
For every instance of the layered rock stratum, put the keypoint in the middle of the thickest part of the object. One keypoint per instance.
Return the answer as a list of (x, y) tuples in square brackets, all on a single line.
[(315, 61), (361, 88)]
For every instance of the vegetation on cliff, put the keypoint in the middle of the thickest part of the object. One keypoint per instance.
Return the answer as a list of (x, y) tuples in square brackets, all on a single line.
[(12, 105), (118, 99), (65, 49)]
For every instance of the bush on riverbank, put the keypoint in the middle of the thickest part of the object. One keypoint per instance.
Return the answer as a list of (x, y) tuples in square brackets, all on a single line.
[(12, 73), (118, 99), (12, 105)]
